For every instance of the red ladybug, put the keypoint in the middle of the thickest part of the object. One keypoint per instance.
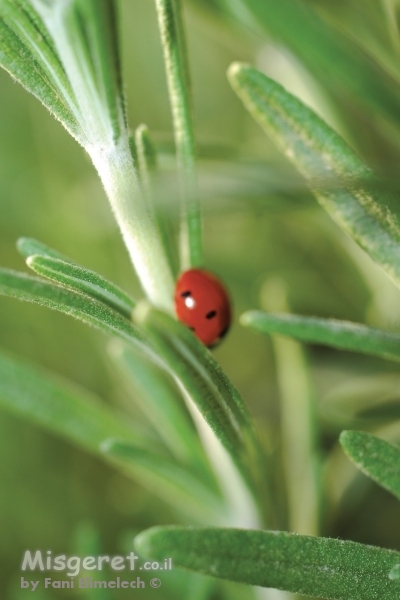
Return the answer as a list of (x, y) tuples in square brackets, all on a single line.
[(202, 303)]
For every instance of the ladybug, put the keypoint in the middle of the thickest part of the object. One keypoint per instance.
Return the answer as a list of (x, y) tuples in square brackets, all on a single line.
[(202, 303)]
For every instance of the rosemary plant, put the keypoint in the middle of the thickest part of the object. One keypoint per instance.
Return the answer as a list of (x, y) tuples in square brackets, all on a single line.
[(253, 514)]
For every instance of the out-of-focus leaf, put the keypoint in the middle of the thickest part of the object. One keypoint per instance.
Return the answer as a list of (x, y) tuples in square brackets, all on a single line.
[(334, 59), (339, 334), (30, 247), (321, 155), (375, 457), (87, 542), (89, 310), (60, 406), (174, 46), (191, 363), (160, 400), (362, 402), (172, 482), (327, 568)]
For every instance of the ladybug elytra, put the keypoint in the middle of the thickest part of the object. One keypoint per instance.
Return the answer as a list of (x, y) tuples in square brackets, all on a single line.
[(202, 303)]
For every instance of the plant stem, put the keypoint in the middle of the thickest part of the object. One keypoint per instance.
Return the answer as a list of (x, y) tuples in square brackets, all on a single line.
[(298, 425), (177, 69), (139, 231)]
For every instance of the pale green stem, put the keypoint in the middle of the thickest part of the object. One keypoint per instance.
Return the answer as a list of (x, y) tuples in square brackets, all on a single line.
[(177, 69), (111, 157), (301, 470), (138, 228)]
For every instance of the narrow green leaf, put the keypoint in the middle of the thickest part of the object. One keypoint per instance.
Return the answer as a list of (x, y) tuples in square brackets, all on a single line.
[(87, 542), (60, 406), (147, 161), (30, 247), (327, 568), (193, 366), (376, 458), (80, 46), (339, 334), (298, 438), (146, 154), (26, 54), (335, 60), (160, 400), (97, 20), (362, 402), (88, 310), (322, 156), (177, 68), (83, 34), (173, 483), (83, 281)]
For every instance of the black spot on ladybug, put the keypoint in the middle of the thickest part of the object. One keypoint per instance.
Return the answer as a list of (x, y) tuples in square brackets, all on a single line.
[(211, 314), (223, 333), (192, 329), (186, 294)]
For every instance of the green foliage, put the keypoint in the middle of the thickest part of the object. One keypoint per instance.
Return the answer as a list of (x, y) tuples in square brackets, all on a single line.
[(335, 59), (177, 69), (328, 568), (199, 449), (60, 406), (89, 310), (208, 387), (338, 178), (185, 492), (82, 281), (376, 458), (157, 395), (338, 334)]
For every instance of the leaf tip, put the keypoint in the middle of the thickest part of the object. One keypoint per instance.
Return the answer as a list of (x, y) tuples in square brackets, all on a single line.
[(236, 69), (24, 245), (30, 260), (394, 573), (146, 542), (344, 438), (245, 318)]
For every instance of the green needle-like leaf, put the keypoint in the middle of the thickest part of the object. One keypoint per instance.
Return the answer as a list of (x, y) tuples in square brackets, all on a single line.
[(177, 68), (335, 60), (83, 281), (97, 21), (160, 400), (28, 54), (65, 52), (163, 477), (88, 310), (54, 265), (147, 161), (58, 405), (323, 157), (30, 247), (339, 334), (327, 568), (376, 458), (193, 366)]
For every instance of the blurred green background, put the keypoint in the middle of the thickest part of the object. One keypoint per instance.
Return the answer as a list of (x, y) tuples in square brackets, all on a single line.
[(261, 226)]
